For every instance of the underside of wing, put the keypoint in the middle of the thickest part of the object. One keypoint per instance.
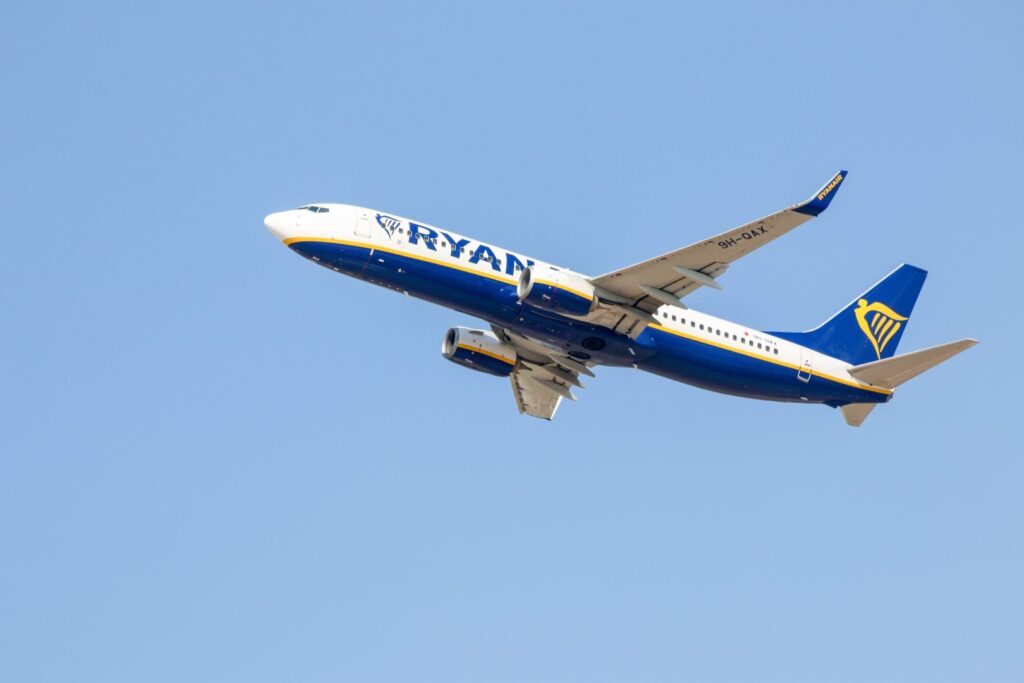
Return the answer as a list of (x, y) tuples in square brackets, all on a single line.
[(542, 377), (669, 277), (531, 399)]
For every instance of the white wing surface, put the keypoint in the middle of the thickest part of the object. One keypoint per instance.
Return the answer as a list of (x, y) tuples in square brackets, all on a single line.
[(669, 277)]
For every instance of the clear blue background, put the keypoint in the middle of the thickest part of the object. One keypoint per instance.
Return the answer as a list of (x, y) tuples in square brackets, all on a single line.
[(222, 463)]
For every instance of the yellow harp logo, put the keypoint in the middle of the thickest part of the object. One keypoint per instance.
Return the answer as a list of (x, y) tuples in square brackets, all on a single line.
[(878, 322)]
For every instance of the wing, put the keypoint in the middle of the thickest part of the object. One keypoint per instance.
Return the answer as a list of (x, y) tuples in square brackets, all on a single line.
[(542, 377), (669, 277), (531, 399)]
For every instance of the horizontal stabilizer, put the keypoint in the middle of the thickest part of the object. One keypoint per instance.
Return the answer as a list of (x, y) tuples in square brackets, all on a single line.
[(892, 372)]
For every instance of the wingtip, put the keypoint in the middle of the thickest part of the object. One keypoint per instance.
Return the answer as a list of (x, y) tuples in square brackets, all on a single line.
[(823, 197)]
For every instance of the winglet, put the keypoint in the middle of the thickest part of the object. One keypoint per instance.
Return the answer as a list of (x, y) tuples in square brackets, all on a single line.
[(823, 197)]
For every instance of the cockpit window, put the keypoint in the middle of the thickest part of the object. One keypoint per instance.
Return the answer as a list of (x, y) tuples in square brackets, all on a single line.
[(315, 209)]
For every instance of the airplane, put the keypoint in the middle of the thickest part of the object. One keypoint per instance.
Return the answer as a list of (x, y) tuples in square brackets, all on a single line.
[(550, 325)]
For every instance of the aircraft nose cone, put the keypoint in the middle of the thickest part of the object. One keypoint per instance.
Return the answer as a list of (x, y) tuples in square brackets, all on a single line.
[(280, 224)]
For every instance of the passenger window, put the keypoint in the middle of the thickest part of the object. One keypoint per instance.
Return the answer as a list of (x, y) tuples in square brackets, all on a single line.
[(702, 327), (776, 351)]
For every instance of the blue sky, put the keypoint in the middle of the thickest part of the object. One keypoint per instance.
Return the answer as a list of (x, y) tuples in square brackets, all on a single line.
[(218, 462)]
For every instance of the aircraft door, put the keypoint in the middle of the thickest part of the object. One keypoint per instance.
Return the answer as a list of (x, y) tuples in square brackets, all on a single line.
[(803, 373), (364, 223)]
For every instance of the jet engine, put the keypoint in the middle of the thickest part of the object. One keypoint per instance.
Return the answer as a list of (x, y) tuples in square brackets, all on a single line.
[(556, 290), (479, 350)]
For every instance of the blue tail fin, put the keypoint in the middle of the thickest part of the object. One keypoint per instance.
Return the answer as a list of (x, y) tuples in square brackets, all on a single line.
[(870, 327)]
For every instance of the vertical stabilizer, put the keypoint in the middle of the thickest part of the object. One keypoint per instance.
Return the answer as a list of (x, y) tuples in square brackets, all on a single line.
[(869, 328)]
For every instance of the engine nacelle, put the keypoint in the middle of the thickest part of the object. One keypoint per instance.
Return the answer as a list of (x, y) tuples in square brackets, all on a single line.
[(479, 350), (556, 290)]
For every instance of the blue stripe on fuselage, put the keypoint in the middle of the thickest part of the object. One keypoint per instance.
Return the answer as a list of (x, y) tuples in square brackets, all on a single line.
[(493, 298), (728, 371)]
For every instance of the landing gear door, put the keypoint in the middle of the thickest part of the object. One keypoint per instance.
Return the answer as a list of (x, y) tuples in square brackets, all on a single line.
[(364, 223), (803, 373)]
